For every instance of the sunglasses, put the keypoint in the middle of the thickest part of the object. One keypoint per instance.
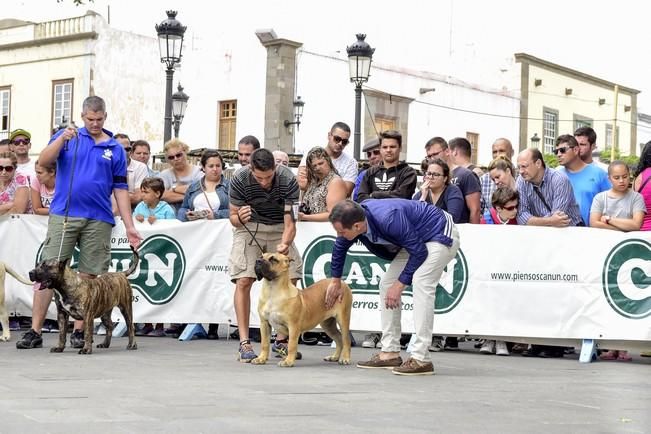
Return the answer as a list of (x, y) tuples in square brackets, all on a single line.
[(21, 142), (373, 152), (175, 157), (509, 208), (562, 150), (433, 174), (7, 169), (340, 140)]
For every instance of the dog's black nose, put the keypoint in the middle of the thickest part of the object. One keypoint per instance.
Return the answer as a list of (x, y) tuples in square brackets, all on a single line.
[(32, 275)]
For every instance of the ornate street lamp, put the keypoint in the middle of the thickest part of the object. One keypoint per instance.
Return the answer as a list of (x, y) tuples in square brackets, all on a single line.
[(170, 42), (179, 103), (360, 55), (298, 113), (535, 140)]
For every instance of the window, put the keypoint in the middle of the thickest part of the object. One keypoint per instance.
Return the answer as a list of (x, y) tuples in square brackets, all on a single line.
[(550, 129), (581, 121), (609, 136), (61, 102), (473, 138), (383, 124), (227, 124), (5, 98)]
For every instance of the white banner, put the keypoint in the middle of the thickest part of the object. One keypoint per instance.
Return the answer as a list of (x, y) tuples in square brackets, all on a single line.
[(570, 283)]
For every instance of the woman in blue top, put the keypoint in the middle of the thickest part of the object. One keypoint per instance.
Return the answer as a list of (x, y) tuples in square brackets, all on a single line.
[(436, 188), (207, 197)]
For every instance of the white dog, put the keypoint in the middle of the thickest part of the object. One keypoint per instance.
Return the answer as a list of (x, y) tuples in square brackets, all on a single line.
[(4, 317)]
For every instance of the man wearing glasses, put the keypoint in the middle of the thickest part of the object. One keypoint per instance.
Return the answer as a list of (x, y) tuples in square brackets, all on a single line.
[(346, 166), (587, 179), (20, 144), (136, 171), (546, 195)]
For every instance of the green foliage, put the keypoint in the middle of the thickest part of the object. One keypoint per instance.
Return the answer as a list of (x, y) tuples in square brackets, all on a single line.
[(550, 160), (630, 160)]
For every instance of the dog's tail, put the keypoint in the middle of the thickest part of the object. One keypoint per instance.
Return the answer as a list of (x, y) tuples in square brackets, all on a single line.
[(16, 276), (134, 263)]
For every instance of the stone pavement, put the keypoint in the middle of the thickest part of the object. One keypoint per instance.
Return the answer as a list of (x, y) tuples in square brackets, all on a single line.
[(198, 386)]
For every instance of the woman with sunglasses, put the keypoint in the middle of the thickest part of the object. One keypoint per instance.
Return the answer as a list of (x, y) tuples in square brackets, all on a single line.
[(14, 188), (180, 174), (437, 190)]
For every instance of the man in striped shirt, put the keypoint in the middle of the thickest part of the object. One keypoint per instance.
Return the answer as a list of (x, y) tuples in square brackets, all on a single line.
[(546, 195), (261, 198), (420, 240)]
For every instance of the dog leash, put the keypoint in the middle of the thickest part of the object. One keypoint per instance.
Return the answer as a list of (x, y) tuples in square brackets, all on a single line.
[(72, 174), (253, 238)]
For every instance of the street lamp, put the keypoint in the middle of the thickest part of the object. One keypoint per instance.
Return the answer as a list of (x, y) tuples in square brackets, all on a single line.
[(179, 103), (170, 42), (298, 113), (360, 55), (535, 140)]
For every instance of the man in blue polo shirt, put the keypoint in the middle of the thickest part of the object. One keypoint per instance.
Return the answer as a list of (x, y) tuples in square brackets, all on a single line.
[(419, 239), (91, 166)]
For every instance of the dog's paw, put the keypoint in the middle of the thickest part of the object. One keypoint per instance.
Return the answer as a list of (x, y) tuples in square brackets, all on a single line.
[(56, 349), (102, 345), (133, 346), (259, 360), (285, 364), (344, 361), (86, 351), (4, 338), (331, 359)]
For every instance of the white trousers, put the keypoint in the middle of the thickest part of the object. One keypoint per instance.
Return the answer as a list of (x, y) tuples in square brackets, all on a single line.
[(424, 283)]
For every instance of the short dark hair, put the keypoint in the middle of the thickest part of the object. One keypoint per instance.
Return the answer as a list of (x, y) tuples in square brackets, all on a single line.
[(155, 184), (504, 195), (341, 125), (391, 134), (587, 132), (536, 155), (436, 141), (250, 140), (645, 159), (263, 159), (439, 162), (141, 142), (121, 136), (462, 145), (618, 163), (567, 138), (211, 153), (347, 213)]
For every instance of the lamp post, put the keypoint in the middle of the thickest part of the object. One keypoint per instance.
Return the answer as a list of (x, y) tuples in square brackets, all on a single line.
[(535, 140), (179, 103), (170, 42), (360, 55), (298, 113)]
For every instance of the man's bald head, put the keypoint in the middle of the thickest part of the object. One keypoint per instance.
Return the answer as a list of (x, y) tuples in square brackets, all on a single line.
[(502, 147)]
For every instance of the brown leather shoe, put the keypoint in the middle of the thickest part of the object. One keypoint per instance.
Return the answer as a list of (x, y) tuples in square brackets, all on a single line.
[(414, 367), (377, 363)]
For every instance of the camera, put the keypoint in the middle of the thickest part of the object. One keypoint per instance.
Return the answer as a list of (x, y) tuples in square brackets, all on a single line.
[(304, 209)]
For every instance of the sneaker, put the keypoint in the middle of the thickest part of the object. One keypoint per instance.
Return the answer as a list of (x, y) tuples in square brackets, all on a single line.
[(77, 339), (280, 348), (371, 340), (246, 353), (144, 330), (14, 325), (437, 344), (414, 367), (213, 331), (156, 333), (324, 340), (377, 363), (174, 330), (451, 343), (30, 339), (488, 347), (501, 349), (309, 338)]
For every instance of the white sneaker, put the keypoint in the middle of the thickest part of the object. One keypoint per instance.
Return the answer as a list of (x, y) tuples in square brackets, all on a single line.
[(501, 348), (371, 340), (488, 347)]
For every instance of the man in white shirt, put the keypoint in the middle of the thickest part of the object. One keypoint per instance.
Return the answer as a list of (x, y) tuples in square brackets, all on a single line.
[(20, 145), (346, 166)]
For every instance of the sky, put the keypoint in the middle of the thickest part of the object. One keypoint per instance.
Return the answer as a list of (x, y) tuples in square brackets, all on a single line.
[(472, 40)]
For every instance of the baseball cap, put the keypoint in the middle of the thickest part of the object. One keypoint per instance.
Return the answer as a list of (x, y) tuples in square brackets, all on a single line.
[(19, 132), (371, 144)]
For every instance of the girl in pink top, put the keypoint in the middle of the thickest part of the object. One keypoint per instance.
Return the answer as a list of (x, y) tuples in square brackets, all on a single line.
[(642, 183)]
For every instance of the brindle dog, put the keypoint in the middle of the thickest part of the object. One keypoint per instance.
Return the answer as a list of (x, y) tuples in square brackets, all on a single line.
[(4, 316), (292, 311), (87, 299)]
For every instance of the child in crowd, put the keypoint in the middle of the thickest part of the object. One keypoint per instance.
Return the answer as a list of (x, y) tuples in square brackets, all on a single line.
[(43, 188), (505, 208), (152, 208), (618, 209)]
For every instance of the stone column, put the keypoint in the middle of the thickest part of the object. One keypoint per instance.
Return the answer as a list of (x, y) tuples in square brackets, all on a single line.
[(279, 93)]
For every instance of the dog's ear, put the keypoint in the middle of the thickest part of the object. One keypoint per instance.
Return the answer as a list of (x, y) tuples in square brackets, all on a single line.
[(63, 264)]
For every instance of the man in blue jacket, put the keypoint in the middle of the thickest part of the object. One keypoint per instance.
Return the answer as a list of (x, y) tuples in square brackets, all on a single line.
[(419, 239)]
